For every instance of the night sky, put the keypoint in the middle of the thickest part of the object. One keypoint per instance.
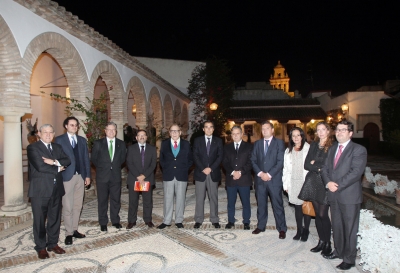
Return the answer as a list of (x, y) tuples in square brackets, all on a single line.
[(324, 45)]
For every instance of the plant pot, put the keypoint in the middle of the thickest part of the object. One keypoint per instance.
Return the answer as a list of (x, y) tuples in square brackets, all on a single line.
[(366, 183), (397, 192)]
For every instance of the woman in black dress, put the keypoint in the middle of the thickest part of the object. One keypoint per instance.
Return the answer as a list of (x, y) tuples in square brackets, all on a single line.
[(314, 188)]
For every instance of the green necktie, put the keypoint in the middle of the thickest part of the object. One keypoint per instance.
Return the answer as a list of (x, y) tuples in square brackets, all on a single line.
[(110, 149)]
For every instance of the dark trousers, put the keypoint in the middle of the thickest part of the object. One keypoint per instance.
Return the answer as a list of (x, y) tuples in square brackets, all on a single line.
[(113, 190), (244, 193), (147, 199), (46, 208), (263, 190), (345, 221)]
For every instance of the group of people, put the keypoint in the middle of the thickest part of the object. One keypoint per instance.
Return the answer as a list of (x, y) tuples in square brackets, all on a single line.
[(327, 173)]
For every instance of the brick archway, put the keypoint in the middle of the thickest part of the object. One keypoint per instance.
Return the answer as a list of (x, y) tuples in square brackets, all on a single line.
[(136, 87), (168, 112), (63, 51), (12, 92), (177, 112), (156, 106), (112, 79), (185, 119)]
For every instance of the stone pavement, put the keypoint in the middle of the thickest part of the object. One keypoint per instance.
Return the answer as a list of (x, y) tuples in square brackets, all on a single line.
[(144, 249)]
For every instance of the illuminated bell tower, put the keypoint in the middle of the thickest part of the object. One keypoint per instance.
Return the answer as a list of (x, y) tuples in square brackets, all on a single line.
[(280, 79)]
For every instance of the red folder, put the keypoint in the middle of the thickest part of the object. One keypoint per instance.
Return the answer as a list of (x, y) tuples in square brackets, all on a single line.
[(142, 186)]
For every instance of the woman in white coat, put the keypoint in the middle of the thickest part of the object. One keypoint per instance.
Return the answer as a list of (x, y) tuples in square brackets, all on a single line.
[(293, 178)]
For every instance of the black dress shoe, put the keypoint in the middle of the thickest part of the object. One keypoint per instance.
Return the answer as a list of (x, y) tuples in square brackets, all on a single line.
[(319, 247), (331, 256), (150, 224), (68, 240), (216, 225), (257, 231), (229, 225), (117, 225), (179, 225), (130, 225), (162, 226), (78, 235), (103, 228), (246, 227), (345, 266), (197, 225), (282, 234)]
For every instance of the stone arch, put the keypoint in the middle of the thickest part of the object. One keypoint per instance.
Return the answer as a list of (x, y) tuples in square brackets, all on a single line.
[(112, 79), (156, 108), (177, 112), (11, 94), (168, 112), (135, 86), (185, 119), (64, 52)]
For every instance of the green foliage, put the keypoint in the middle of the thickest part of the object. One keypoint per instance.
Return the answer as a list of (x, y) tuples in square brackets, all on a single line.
[(95, 111), (390, 117), (211, 83)]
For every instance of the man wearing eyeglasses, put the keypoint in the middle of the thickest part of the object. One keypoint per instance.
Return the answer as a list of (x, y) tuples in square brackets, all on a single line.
[(175, 160), (342, 172), (76, 176)]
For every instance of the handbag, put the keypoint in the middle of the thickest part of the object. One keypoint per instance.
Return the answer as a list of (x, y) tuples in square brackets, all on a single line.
[(308, 208)]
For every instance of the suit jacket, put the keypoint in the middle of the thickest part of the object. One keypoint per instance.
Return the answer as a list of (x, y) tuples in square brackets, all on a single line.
[(347, 174), (134, 163), (106, 169), (202, 160), (42, 175), (175, 167), (271, 163), (238, 162), (84, 162)]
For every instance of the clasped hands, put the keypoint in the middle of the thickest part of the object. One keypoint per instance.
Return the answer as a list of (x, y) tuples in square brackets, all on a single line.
[(265, 176), (236, 175)]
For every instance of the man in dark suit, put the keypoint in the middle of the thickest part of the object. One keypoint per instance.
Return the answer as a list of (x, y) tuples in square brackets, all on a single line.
[(207, 156), (75, 177), (108, 154), (237, 165), (141, 161), (342, 172), (175, 160), (46, 162), (267, 160)]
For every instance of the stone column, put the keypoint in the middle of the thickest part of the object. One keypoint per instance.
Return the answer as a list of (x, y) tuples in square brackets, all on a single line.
[(13, 173)]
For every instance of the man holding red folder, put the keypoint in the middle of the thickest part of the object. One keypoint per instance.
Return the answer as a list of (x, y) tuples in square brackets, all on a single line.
[(141, 161)]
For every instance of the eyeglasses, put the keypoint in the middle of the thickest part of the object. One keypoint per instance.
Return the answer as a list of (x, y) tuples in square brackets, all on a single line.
[(174, 131), (341, 130)]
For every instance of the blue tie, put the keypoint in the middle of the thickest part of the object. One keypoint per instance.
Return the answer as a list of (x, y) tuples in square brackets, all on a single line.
[(266, 147), (208, 146), (73, 142)]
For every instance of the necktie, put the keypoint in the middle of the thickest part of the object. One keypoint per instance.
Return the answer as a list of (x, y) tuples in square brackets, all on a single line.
[(339, 153), (266, 147), (50, 149), (175, 145), (237, 147), (73, 143), (110, 149), (208, 146), (142, 153)]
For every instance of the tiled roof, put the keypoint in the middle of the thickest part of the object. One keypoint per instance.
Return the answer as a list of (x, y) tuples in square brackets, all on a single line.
[(286, 102), (282, 114)]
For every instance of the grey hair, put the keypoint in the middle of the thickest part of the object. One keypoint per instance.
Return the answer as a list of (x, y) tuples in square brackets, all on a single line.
[(237, 127), (46, 125), (111, 123)]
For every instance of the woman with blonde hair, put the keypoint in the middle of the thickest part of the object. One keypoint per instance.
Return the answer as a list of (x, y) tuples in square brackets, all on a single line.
[(314, 189)]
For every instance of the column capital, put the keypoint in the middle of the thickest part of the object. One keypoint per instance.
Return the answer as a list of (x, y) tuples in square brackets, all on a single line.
[(10, 114)]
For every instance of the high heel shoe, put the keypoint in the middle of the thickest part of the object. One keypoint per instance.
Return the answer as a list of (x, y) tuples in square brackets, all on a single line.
[(304, 235), (327, 249), (298, 234), (319, 247)]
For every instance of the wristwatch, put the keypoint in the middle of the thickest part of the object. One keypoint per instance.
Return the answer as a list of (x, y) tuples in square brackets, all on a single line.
[(54, 162)]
